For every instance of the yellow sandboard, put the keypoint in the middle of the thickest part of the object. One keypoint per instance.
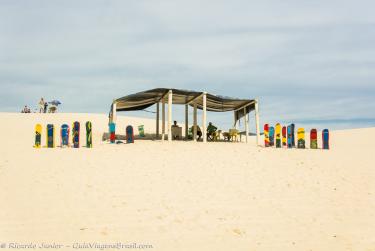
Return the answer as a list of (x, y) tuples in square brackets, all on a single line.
[(38, 136), (301, 138), (278, 135)]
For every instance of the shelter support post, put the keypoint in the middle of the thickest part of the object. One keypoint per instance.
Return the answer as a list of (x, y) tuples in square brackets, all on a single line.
[(246, 124), (204, 118), (163, 120), (114, 109), (195, 122), (157, 120), (186, 121), (257, 121), (170, 116)]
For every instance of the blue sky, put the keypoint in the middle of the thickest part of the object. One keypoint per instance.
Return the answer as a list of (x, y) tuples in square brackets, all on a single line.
[(307, 61)]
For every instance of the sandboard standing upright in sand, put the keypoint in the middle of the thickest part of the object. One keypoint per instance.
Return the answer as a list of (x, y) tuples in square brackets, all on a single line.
[(313, 139), (88, 134), (284, 135), (64, 133), (112, 132), (292, 126), (301, 138), (38, 136), (141, 131), (50, 136), (325, 138), (129, 134), (289, 133), (76, 134), (278, 135), (266, 135), (272, 136)]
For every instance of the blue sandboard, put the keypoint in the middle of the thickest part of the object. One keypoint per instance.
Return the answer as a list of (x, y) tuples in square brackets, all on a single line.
[(64, 133), (325, 137), (272, 135), (129, 134)]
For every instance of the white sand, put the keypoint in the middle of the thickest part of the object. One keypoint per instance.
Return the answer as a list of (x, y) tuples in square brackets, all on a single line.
[(185, 195)]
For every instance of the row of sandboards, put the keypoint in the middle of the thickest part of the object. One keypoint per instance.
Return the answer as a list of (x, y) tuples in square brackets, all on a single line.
[(64, 135), (129, 133), (285, 137)]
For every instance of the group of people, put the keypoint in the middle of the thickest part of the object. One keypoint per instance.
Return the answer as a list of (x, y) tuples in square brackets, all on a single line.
[(43, 106), (26, 109), (211, 129)]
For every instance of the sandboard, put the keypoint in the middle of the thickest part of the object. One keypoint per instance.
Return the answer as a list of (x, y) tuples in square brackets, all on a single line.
[(112, 132), (76, 134), (289, 133), (88, 134), (129, 134), (278, 135), (141, 131), (301, 138), (325, 137), (272, 136), (313, 139), (64, 133), (38, 136), (293, 135), (284, 135), (266, 135), (50, 136)]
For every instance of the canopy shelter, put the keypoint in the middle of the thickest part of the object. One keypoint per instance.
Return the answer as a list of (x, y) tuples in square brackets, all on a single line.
[(198, 100)]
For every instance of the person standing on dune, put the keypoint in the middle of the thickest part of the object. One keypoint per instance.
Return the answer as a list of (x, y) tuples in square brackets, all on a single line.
[(41, 105)]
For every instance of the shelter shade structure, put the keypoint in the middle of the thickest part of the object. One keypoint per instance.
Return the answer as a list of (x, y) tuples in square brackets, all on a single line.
[(198, 100)]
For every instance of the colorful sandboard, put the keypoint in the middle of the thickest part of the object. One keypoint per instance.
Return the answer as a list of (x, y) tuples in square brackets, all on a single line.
[(38, 136), (284, 135), (266, 135), (301, 138), (64, 133), (112, 132), (272, 136), (88, 134), (325, 137), (313, 139), (75, 134), (141, 131), (129, 134), (289, 133), (278, 135), (293, 135), (50, 136)]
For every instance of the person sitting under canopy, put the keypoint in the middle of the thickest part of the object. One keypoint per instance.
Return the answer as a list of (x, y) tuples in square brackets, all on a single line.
[(211, 129), (199, 132), (176, 131)]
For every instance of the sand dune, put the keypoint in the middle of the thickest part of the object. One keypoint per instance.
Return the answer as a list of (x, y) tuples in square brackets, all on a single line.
[(185, 195)]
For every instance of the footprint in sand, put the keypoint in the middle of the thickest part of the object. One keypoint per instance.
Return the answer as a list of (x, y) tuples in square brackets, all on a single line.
[(238, 231)]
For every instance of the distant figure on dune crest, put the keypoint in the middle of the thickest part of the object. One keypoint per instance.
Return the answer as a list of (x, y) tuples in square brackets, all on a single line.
[(45, 107), (41, 105), (26, 110)]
